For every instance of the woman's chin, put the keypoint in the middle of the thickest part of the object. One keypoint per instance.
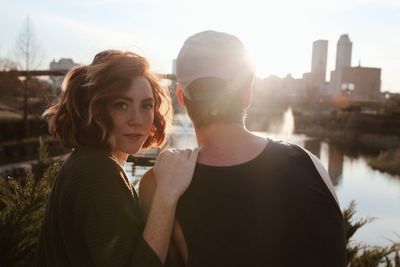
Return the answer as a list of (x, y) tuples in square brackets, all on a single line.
[(132, 151)]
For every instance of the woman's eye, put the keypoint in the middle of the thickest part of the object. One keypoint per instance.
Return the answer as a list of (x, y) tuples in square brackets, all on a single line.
[(148, 105), (120, 106)]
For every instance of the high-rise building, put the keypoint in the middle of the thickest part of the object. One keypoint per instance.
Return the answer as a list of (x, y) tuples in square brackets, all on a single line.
[(343, 52), (359, 83), (319, 60), (314, 82), (174, 66), (343, 60)]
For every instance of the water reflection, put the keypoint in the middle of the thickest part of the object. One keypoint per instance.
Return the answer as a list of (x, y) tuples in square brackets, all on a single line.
[(335, 158), (335, 166)]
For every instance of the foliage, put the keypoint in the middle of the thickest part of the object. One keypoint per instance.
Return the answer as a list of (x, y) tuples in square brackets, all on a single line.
[(360, 255), (10, 88), (392, 105), (387, 161), (22, 208), (43, 163)]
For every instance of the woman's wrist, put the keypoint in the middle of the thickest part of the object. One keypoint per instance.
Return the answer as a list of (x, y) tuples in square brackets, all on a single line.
[(166, 196)]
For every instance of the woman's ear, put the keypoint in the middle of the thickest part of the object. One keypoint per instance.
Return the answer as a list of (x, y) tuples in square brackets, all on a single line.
[(179, 95)]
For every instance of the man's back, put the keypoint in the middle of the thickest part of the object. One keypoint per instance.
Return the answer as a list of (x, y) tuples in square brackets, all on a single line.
[(274, 210)]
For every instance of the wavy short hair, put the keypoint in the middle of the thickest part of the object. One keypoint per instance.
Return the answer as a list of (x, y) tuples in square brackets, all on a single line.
[(79, 116)]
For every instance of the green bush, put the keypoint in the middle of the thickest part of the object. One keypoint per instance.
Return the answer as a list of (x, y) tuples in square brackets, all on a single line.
[(361, 255), (22, 208)]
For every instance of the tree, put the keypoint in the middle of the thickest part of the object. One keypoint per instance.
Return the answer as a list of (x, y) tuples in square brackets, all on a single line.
[(28, 56), (10, 85), (7, 64)]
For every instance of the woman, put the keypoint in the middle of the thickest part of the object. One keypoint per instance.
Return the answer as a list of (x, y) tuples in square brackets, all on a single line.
[(108, 110)]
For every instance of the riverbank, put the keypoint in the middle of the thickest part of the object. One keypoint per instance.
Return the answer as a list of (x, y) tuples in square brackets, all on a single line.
[(387, 161), (370, 143), (377, 135)]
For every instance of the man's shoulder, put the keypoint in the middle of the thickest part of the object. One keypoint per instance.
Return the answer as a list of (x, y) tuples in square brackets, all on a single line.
[(285, 151), (289, 154), (302, 159)]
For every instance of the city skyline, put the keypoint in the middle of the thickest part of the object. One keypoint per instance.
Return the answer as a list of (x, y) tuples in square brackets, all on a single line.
[(279, 36)]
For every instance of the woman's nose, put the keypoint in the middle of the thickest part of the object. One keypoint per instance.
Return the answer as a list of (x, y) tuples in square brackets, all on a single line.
[(135, 117)]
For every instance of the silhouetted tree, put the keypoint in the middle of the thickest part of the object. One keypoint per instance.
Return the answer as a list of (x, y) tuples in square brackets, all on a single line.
[(28, 56)]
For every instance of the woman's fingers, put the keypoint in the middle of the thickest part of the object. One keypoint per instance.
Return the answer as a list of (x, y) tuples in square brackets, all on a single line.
[(174, 170)]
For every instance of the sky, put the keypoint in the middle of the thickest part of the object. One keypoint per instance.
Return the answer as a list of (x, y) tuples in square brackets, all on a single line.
[(278, 34)]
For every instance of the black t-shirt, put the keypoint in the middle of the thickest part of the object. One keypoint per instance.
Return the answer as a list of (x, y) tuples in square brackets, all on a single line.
[(274, 210)]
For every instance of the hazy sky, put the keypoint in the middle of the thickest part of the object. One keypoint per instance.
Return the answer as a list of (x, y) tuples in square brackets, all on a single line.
[(278, 34)]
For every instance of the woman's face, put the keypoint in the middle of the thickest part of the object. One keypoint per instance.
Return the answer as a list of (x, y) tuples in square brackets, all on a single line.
[(132, 114)]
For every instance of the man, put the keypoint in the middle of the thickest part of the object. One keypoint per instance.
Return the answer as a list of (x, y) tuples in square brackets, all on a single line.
[(252, 201)]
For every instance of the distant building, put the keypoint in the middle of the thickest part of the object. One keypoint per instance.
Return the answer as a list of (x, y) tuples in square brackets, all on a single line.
[(174, 66), (343, 52), (358, 83), (343, 60), (62, 64), (313, 86), (363, 83), (173, 83), (319, 60), (177, 107), (313, 83)]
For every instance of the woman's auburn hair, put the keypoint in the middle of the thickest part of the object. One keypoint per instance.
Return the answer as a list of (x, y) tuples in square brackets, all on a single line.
[(79, 117)]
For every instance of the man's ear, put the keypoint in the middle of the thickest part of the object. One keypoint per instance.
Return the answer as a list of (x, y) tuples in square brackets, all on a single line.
[(179, 95)]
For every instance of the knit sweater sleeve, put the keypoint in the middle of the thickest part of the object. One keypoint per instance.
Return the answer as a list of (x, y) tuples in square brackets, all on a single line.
[(109, 219)]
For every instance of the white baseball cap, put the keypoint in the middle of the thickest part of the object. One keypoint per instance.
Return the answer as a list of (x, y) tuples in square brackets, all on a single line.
[(211, 54)]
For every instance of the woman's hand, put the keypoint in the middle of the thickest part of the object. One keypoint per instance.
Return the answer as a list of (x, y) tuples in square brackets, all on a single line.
[(159, 192), (174, 171)]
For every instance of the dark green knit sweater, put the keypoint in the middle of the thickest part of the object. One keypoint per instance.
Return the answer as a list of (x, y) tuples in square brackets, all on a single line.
[(93, 217)]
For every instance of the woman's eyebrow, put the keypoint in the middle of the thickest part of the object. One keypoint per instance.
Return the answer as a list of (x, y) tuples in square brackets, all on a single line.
[(124, 98), (150, 99)]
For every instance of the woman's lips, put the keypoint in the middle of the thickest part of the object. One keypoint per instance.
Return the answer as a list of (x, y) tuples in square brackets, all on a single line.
[(134, 136)]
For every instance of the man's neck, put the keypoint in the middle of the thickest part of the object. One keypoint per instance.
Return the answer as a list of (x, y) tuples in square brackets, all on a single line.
[(224, 144)]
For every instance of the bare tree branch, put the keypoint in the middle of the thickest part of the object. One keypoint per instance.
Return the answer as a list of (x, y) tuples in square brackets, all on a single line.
[(27, 53), (28, 50)]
